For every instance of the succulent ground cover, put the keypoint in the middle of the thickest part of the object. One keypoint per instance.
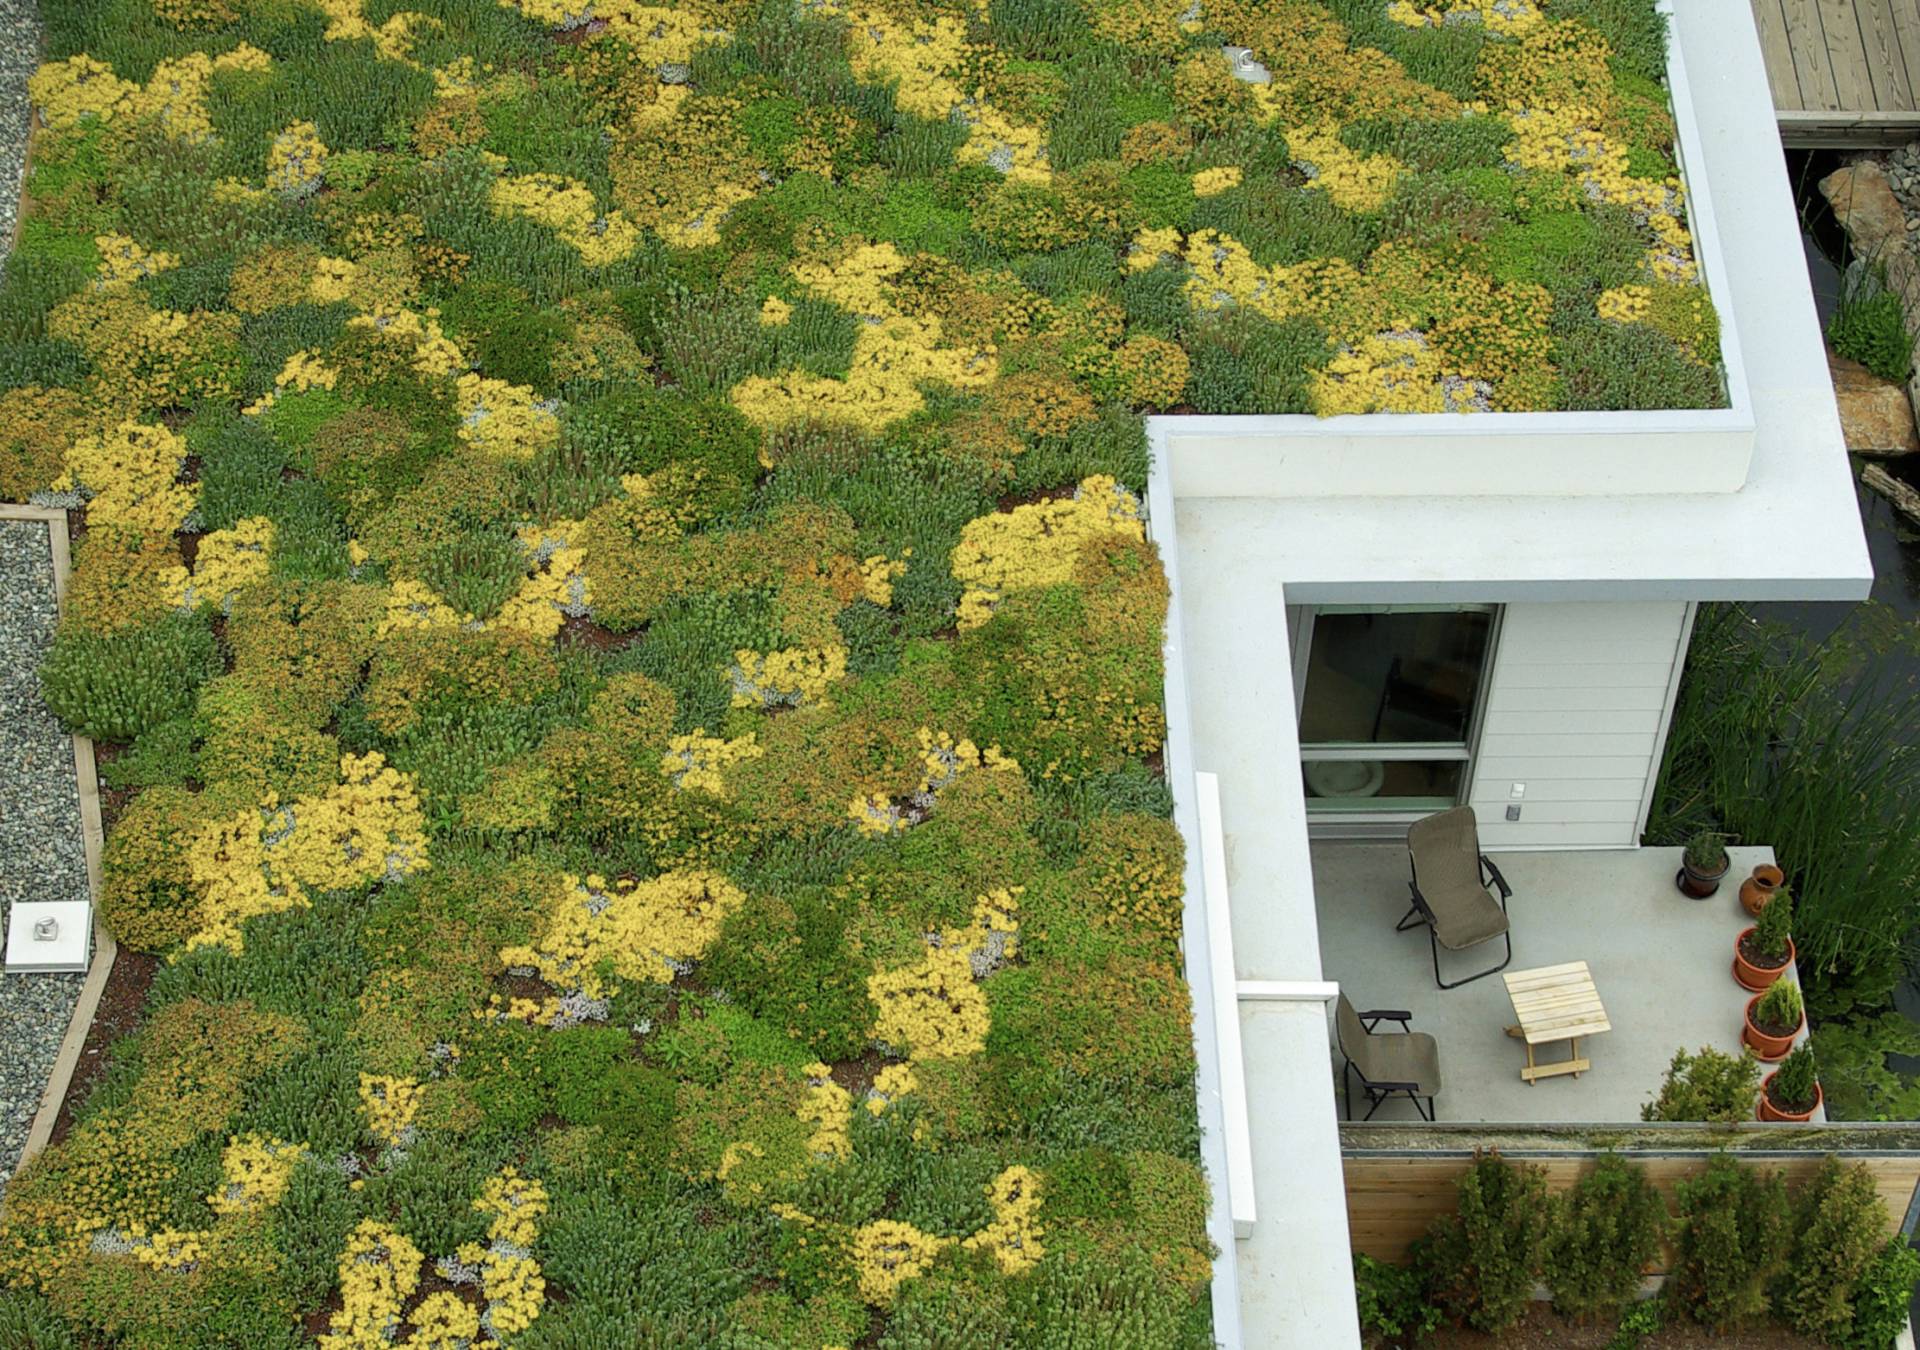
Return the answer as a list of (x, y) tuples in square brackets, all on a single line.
[(611, 577)]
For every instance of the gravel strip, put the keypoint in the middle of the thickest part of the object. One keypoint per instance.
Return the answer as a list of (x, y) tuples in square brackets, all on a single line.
[(42, 855), (19, 54)]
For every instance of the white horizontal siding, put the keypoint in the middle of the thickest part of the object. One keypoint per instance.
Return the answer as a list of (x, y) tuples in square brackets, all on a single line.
[(1575, 712)]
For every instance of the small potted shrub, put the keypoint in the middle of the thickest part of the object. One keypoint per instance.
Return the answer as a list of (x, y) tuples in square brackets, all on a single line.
[(1757, 889), (1703, 865), (1762, 953), (1792, 1091), (1774, 1019), (1709, 1085)]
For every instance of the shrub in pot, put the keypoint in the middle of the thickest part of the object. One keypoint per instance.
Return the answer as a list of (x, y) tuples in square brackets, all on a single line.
[(1606, 1230), (1734, 1238), (1762, 953), (1840, 1226), (1774, 1019), (1792, 1091), (1708, 1085), (1481, 1262), (1703, 865)]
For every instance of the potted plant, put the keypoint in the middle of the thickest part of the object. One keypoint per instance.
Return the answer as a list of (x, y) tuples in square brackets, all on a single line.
[(1703, 865), (1791, 1092), (1757, 889), (1762, 953), (1774, 1019)]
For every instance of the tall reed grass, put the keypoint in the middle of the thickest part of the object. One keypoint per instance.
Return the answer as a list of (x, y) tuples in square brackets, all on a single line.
[(1815, 751)]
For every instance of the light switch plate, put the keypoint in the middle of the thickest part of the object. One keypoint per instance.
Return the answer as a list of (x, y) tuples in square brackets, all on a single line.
[(66, 950)]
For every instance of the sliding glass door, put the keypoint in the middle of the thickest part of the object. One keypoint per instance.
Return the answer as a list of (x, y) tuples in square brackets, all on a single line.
[(1389, 702)]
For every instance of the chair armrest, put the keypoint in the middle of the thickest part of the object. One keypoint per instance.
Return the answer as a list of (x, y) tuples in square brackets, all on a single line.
[(1373, 1015), (1500, 882)]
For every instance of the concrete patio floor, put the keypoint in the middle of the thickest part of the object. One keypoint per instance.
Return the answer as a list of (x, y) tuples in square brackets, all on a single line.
[(1661, 963)]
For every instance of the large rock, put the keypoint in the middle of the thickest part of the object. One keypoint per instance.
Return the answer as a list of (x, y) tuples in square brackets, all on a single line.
[(1874, 413), (1863, 202)]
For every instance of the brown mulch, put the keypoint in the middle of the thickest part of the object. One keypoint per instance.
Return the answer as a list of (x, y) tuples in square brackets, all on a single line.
[(189, 545), (1542, 1326), (113, 800), (121, 1003), (584, 632), (857, 1075), (1754, 957)]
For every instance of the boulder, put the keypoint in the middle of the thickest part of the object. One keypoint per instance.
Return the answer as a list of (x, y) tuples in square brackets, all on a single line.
[(1874, 413), (1863, 202)]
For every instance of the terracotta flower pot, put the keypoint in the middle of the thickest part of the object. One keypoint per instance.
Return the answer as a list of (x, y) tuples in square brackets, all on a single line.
[(1757, 889), (1770, 1048), (1755, 979), (1768, 1111)]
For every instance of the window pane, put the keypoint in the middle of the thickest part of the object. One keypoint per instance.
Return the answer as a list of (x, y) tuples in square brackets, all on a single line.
[(1382, 785), (1392, 678)]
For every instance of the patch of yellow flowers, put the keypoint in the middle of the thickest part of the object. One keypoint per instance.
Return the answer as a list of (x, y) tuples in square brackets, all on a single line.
[(696, 761), (227, 560), (1038, 544), (935, 1008), (599, 933), (129, 477), (255, 1171), (566, 206)]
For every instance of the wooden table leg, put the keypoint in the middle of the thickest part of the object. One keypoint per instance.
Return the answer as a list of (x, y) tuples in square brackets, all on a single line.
[(1530, 1072), (1576, 1054)]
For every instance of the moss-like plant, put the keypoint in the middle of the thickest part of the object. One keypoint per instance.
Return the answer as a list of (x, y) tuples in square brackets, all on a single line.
[(1708, 1085), (1707, 851), (114, 687)]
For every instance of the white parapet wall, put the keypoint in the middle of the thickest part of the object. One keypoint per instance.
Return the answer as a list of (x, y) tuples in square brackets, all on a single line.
[(1682, 452)]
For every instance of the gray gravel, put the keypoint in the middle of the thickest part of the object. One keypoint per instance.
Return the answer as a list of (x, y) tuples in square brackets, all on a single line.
[(19, 54), (42, 855)]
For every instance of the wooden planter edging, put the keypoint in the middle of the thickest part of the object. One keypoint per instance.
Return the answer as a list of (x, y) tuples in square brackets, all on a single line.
[(92, 836), (1400, 1179)]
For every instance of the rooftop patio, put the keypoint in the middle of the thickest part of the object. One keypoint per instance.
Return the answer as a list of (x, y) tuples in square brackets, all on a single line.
[(1661, 964)]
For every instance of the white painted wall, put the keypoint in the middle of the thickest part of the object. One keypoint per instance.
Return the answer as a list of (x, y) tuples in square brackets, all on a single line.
[(1576, 710)]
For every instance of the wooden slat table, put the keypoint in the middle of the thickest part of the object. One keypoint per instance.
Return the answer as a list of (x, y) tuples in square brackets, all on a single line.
[(1555, 1003)]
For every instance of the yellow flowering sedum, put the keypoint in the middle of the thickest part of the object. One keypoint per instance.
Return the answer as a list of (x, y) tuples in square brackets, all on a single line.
[(1353, 182), (390, 1106), (1037, 544), (695, 761), (1388, 372), (296, 161), (877, 575), (599, 933), (829, 1107), (267, 860), (1624, 304), (379, 1271), (414, 604), (301, 372), (255, 1171), (514, 1205), (129, 478), (1013, 1238), (920, 59), (123, 261), (889, 1086), (787, 678), (1507, 18), (566, 206), (227, 560), (1213, 182), (504, 421), (775, 312), (887, 1253)]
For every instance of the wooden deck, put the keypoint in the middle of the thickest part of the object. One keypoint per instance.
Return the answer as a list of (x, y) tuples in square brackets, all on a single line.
[(1844, 72)]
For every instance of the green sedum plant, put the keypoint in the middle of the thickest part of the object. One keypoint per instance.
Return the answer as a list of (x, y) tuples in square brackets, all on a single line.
[(114, 687)]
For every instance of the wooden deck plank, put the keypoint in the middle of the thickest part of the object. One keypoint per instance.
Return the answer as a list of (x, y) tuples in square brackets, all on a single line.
[(1893, 89), (1781, 76), (1810, 60), (1847, 53), (1905, 17)]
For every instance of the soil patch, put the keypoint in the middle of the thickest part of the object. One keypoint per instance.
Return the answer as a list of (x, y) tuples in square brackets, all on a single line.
[(121, 1004), (582, 631)]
